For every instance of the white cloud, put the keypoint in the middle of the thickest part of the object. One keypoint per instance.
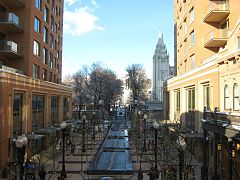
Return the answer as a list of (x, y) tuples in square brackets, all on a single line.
[(81, 20), (94, 3), (70, 2)]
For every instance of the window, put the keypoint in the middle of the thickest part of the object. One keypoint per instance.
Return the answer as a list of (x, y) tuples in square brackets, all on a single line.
[(185, 48), (37, 112), (17, 114), (37, 25), (191, 99), (65, 108), (59, 26), (45, 35), (55, 27), (51, 60), (55, 44), (54, 109), (55, 62), (51, 41), (58, 39), (191, 12), (184, 28), (192, 38), (177, 100), (58, 55), (35, 71), (226, 97), (46, 14), (44, 75), (36, 48), (38, 4), (235, 97), (238, 42), (185, 65), (50, 76), (52, 23), (193, 62), (45, 54), (206, 96)]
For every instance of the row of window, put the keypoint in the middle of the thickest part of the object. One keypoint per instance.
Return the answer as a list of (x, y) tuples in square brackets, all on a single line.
[(190, 98), (51, 78), (45, 57), (206, 98), (55, 26), (53, 43), (55, 10), (38, 105)]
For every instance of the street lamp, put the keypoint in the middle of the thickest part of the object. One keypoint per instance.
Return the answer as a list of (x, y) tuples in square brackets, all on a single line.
[(156, 127), (144, 132), (94, 123), (21, 143), (63, 127), (181, 149), (100, 103)]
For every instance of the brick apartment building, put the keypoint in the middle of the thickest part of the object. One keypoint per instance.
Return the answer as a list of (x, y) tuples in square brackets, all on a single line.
[(32, 98)]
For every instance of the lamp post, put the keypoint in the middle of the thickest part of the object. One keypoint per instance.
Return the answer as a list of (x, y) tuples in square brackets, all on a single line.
[(144, 132), (94, 123), (181, 149), (156, 127), (83, 133), (63, 127), (21, 143), (100, 103)]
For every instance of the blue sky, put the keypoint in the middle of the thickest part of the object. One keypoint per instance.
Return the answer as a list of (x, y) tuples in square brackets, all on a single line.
[(115, 32)]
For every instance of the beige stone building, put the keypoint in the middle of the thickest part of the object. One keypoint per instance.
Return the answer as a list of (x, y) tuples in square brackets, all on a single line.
[(207, 51), (204, 32), (32, 97)]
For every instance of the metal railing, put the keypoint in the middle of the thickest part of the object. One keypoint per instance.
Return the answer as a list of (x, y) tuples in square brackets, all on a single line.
[(217, 6), (9, 46), (11, 18), (216, 34)]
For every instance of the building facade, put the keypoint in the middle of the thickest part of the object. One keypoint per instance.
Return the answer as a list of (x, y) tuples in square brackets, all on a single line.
[(161, 69), (207, 48), (32, 97)]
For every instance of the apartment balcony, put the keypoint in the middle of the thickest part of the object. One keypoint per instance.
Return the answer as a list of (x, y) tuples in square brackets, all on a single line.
[(10, 69), (9, 49), (10, 22), (13, 3), (216, 38), (216, 11)]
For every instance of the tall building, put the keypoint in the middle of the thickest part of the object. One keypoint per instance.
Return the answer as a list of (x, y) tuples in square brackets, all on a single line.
[(207, 55), (32, 97), (161, 69)]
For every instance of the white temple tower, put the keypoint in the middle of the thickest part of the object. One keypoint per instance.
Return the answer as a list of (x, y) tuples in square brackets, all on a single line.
[(161, 69)]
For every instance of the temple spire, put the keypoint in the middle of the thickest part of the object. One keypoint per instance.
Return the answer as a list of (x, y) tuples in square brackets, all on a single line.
[(160, 34)]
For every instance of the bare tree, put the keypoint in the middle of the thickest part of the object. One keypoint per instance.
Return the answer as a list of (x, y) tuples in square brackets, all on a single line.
[(104, 85), (138, 81), (81, 95)]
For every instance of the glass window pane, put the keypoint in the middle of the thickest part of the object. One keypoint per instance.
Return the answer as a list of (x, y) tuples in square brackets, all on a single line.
[(235, 97), (38, 4), (36, 48), (37, 24), (226, 97)]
